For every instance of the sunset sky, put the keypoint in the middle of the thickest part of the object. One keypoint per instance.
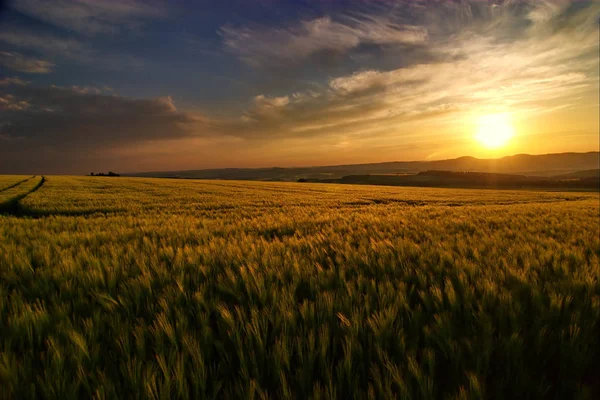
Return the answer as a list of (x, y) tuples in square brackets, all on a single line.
[(169, 85)]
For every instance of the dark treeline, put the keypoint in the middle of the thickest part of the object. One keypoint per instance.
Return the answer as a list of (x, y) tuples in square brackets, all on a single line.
[(110, 173)]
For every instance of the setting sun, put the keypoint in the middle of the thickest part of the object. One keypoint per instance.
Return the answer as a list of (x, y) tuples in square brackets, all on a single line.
[(494, 131)]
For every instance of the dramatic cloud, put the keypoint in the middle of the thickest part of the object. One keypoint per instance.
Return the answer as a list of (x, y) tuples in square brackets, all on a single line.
[(20, 63), (414, 75), (320, 36), (84, 118), (551, 64), (57, 130), (87, 16)]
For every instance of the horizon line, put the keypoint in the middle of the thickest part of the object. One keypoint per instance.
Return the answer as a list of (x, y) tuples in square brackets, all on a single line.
[(365, 163)]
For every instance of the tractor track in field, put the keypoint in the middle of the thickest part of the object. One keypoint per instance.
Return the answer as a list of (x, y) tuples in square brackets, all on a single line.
[(16, 184), (13, 206)]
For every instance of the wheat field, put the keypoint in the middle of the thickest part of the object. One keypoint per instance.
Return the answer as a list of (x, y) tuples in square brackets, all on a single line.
[(164, 289)]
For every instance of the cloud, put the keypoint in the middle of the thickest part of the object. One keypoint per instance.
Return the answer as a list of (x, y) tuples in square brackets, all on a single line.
[(9, 103), (42, 42), (76, 30), (90, 17), (550, 65), (553, 59), (20, 63), (88, 118), (92, 90), (320, 36), (509, 57), (11, 80), (56, 46), (50, 129)]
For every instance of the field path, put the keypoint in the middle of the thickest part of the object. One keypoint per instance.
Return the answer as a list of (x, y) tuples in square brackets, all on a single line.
[(16, 184), (11, 205)]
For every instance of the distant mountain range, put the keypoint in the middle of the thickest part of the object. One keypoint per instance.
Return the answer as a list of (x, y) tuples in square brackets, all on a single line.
[(563, 165)]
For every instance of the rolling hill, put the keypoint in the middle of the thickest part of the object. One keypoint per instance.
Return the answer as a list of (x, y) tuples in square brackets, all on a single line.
[(547, 165)]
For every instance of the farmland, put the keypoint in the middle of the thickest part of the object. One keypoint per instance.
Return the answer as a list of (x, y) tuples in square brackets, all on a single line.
[(160, 288)]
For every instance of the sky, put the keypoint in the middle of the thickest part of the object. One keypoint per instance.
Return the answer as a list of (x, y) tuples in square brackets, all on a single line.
[(129, 86)]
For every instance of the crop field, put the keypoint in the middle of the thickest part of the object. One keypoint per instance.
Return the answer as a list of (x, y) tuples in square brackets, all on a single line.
[(155, 288)]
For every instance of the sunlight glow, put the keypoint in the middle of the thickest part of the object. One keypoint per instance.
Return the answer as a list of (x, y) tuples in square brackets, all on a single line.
[(494, 131)]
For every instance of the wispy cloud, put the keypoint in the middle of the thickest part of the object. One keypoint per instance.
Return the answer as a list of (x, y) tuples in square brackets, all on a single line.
[(18, 62), (550, 63), (75, 30), (549, 66), (11, 80), (321, 36), (45, 42), (90, 17), (482, 57), (60, 47), (9, 103)]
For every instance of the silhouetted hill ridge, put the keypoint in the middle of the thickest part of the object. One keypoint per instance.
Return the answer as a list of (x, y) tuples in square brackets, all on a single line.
[(544, 165)]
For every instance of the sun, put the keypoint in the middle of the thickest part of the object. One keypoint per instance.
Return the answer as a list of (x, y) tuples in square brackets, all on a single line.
[(494, 131)]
